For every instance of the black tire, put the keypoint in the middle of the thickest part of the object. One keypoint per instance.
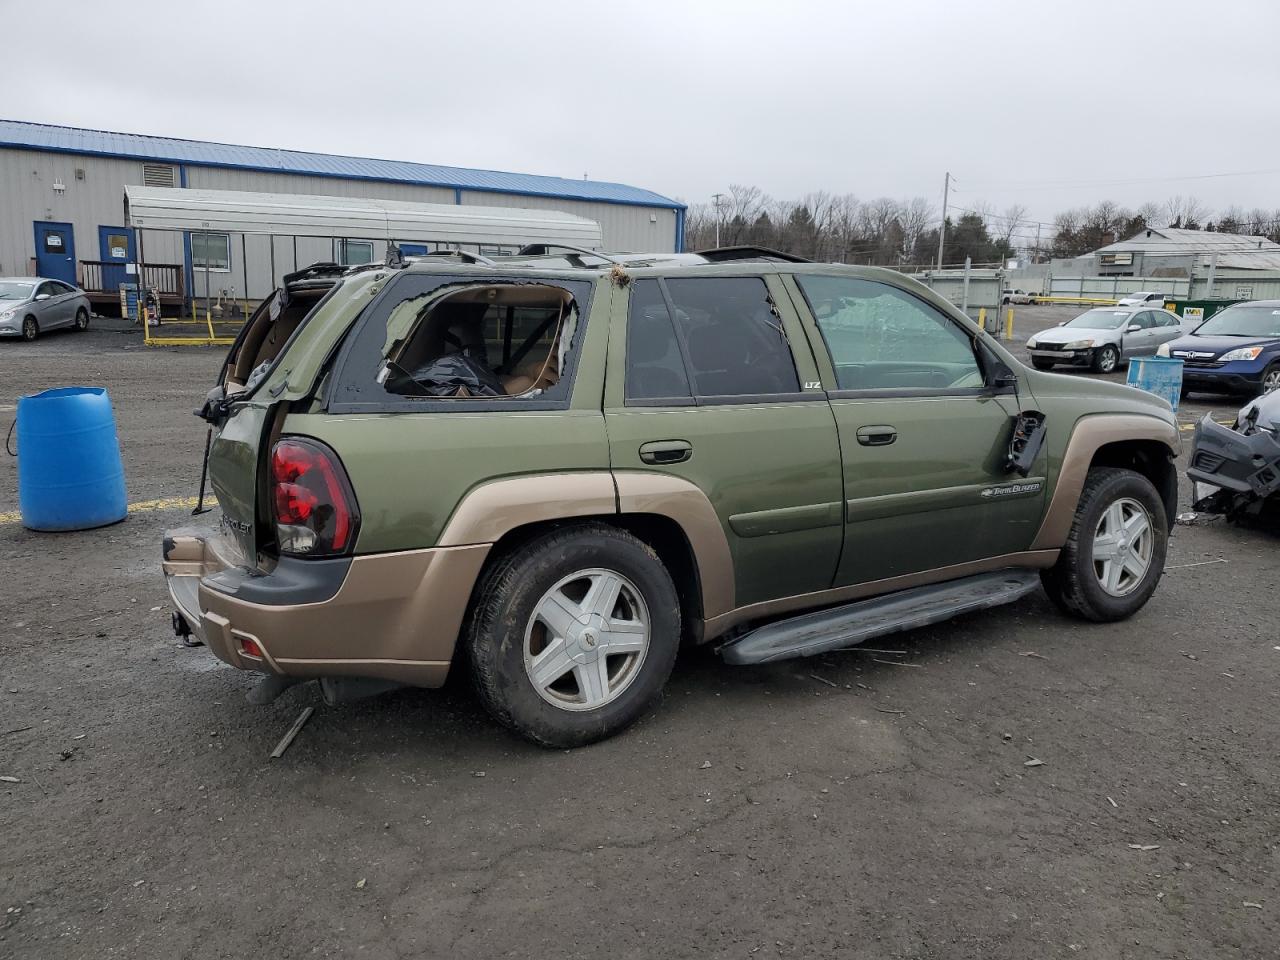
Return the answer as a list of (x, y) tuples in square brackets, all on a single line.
[(1041, 364), (1106, 359), (1272, 374), (82, 319), (30, 329), (502, 609), (1072, 583)]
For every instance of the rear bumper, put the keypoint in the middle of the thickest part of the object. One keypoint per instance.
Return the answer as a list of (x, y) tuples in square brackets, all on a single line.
[(392, 616)]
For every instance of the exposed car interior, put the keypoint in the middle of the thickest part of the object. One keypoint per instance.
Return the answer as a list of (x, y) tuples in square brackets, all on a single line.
[(268, 332), (491, 340)]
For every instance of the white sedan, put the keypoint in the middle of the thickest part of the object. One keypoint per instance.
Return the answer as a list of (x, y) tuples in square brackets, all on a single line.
[(30, 306)]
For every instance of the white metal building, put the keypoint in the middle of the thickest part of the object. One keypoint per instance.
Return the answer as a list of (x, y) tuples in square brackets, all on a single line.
[(62, 208), (1169, 252)]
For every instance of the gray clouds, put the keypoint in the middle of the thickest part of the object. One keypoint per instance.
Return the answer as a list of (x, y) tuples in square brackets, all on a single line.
[(1024, 102)]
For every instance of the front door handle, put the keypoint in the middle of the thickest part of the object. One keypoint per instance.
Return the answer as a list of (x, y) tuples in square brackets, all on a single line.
[(877, 436), (666, 451)]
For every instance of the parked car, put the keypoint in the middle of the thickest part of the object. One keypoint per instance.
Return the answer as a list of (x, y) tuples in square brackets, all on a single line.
[(1104, 337), (1143, 298), (30, 306), (558, 468), (1016, 296), (1236, 470), (1235, 350)]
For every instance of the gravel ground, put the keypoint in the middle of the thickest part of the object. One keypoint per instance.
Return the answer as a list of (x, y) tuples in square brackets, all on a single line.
[(871, 804)]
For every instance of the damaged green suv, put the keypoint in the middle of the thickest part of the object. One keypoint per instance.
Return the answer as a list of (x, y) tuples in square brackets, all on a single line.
[(560, 467)]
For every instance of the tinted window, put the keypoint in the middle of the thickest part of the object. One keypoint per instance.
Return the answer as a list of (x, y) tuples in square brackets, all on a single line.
[(57, 288), (1167, 319), (880, 337), (733, 337), (655, 368), (1145, 319)]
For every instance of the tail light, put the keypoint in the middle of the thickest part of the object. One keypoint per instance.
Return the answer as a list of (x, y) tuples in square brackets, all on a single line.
[(315, 509)]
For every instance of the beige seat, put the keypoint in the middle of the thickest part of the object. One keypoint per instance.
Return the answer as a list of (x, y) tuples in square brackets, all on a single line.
[(533, 374)]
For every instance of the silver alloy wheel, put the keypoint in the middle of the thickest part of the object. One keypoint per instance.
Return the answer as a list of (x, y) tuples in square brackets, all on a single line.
[(1271, 380), (586, 640), (1108, 360), (1122, 547)]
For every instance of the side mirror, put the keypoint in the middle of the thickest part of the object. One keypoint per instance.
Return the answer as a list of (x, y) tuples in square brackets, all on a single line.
[(41, 296), (1134, 328)]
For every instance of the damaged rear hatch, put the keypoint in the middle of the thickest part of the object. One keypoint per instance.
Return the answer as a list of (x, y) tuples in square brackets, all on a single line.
[(273, 365)]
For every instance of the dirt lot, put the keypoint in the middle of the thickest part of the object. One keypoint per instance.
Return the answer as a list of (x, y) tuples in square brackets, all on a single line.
[(865, 804)]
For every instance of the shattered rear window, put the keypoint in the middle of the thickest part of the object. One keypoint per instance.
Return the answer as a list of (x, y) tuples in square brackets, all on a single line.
[(451, 340)]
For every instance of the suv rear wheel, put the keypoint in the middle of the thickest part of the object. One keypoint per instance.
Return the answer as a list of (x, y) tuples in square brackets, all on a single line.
[(1114, 555), (573, 636)]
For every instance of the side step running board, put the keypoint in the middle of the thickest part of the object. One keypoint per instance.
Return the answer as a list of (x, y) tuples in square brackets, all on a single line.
[(853, 623)]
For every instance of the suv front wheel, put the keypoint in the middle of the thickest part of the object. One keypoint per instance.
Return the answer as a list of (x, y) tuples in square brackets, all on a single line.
[(573, 636), (1114, 555)]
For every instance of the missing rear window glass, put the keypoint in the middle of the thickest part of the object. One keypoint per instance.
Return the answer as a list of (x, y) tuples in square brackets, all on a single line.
[(494, 341)]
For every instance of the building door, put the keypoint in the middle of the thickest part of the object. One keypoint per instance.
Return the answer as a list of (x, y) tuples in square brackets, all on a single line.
[(56, 251), (115, 249)]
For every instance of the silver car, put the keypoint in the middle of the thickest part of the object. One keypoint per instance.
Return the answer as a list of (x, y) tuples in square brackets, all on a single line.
[(1104, 337), (29, 306)]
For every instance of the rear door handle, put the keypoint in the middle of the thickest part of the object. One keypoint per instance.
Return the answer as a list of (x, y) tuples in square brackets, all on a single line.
[(666, 451), (877, 436)]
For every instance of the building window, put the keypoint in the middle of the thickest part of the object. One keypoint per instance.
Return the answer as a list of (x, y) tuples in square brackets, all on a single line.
[(353, 253), (212, 250), (118, 246)]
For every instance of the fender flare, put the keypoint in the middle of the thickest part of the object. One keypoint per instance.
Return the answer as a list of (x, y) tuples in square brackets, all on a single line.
[(492, 510), (1091, 434)]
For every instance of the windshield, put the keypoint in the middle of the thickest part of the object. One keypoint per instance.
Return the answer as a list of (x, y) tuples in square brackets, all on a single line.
[(15, 289), (1243, 320), (1100, 319)]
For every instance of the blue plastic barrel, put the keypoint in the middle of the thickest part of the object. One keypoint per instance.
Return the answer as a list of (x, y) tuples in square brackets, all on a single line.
[(1159, 375), (70, 476)]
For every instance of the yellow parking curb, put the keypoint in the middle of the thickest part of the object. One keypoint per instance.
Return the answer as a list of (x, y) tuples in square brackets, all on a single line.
[(141, 506)]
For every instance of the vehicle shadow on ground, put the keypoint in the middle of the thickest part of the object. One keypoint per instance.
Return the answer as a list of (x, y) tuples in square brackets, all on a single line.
[(703, 694)]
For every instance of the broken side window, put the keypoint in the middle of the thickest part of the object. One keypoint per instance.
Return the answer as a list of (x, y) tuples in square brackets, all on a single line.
[(494, 340), (451, 342)]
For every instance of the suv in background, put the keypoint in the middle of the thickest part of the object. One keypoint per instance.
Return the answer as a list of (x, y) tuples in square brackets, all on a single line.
[(558, 468), (1143, 298)]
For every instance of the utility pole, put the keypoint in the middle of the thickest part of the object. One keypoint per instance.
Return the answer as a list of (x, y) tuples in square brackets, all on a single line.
[(1036, 257), (942, 228), (715, 198)]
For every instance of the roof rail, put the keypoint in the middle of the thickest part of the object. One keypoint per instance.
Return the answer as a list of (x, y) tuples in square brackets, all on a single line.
[(461, 254), (324, 268), (730, 254), (542, 249)]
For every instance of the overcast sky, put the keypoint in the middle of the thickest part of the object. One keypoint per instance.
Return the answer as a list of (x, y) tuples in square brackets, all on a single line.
[(1047, 104)]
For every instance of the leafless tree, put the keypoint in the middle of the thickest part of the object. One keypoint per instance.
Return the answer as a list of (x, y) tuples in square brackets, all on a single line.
[(1186, 213)]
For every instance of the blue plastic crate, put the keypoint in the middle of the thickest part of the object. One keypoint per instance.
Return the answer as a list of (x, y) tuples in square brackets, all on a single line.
[(1159, 375)]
